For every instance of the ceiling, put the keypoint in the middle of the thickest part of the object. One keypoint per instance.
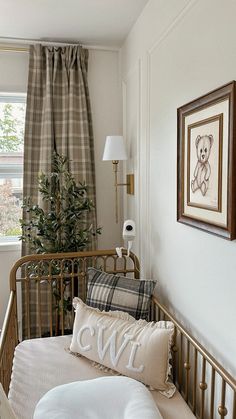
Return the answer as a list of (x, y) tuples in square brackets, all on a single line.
[(100, 22)]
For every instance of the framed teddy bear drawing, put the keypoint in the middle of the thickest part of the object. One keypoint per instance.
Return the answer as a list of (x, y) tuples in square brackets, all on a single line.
[(206, 162)]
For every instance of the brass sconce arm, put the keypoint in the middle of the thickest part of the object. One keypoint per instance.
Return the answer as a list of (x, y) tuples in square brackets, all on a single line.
[(129, 184), (114, 151), (129, 179)]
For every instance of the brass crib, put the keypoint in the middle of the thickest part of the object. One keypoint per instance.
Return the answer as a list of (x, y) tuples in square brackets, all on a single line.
[(208, 389)]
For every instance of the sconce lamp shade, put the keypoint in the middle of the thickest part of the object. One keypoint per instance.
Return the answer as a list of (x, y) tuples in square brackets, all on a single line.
[(114, 148)]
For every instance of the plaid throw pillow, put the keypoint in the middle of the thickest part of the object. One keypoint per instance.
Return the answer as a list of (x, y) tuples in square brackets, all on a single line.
[(111, 292)]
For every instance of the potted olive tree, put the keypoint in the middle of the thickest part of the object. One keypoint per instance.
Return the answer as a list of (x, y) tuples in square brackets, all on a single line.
[(62, 227)]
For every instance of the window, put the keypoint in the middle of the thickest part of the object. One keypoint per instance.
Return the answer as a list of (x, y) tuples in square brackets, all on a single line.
[(12, 121)]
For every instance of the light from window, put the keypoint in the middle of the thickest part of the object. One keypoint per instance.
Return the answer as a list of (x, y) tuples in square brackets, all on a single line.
[(12, 121)]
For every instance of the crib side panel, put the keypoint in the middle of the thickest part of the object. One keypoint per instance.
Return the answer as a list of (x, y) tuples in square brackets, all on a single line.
[(8, 342)]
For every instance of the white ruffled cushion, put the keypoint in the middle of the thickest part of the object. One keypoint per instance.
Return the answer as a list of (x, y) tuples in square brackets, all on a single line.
[(101, 398), (134, 348)]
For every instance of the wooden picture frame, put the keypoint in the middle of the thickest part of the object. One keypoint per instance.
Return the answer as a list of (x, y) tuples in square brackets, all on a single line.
[(206, 172)]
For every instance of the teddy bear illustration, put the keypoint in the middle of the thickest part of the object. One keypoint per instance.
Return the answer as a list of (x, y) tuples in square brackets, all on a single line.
[(202, 170)]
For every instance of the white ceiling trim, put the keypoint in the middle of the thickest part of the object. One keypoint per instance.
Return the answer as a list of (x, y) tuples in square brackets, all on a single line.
[(16, 44)]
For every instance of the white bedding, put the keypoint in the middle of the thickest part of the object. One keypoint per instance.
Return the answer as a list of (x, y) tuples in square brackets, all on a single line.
[(100, 398), (41, 364)]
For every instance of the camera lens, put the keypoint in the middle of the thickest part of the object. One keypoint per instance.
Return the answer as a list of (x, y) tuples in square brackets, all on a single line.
[(129, 228)]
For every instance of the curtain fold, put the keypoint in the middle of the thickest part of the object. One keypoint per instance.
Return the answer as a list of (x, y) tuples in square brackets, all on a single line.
[(58, 117)]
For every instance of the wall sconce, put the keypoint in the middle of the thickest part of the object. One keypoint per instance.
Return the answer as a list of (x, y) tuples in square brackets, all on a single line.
[(115, 151)]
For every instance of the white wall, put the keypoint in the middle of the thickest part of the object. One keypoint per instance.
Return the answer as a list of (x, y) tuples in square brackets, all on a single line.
[(13, 72), (177, 51), (105, 96)]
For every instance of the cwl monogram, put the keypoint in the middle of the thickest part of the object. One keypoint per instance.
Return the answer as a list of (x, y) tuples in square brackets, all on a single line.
[(135, 348), (103, 347)]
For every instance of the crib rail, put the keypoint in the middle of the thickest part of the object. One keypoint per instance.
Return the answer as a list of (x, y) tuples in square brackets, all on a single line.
[(206, 386), (42, 285), (8, 342), (47, 284)]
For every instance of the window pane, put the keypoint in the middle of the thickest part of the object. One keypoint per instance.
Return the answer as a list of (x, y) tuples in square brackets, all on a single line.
[(12, 119)]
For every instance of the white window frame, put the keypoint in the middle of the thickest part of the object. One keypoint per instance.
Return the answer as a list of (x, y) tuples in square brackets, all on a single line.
[(13, 242)]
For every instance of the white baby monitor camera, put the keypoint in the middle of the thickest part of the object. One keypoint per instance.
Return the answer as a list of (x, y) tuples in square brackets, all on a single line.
[(128, 235), (129, 230)]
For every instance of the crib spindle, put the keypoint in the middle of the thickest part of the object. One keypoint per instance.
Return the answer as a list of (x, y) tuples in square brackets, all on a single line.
[(222, 409), (61, 308), (72, 279), (195, 380), (27, 308), (212, 401), (50, 303), (39, 313), (180, 363), (187, 367), (203, 387)]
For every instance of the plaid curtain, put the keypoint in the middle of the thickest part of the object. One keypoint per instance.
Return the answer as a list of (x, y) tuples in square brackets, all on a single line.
[(58, 117)]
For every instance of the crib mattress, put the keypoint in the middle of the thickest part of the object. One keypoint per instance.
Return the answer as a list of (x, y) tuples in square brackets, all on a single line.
[(41, 364)]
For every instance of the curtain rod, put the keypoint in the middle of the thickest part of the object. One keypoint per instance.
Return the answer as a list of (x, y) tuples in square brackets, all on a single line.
[(10, 45)]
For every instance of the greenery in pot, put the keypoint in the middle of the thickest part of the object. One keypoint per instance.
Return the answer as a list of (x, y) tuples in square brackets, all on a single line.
[(62, 227)]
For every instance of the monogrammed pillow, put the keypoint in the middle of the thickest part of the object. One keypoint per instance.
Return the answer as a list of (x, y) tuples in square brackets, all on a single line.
[(137, 349)]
